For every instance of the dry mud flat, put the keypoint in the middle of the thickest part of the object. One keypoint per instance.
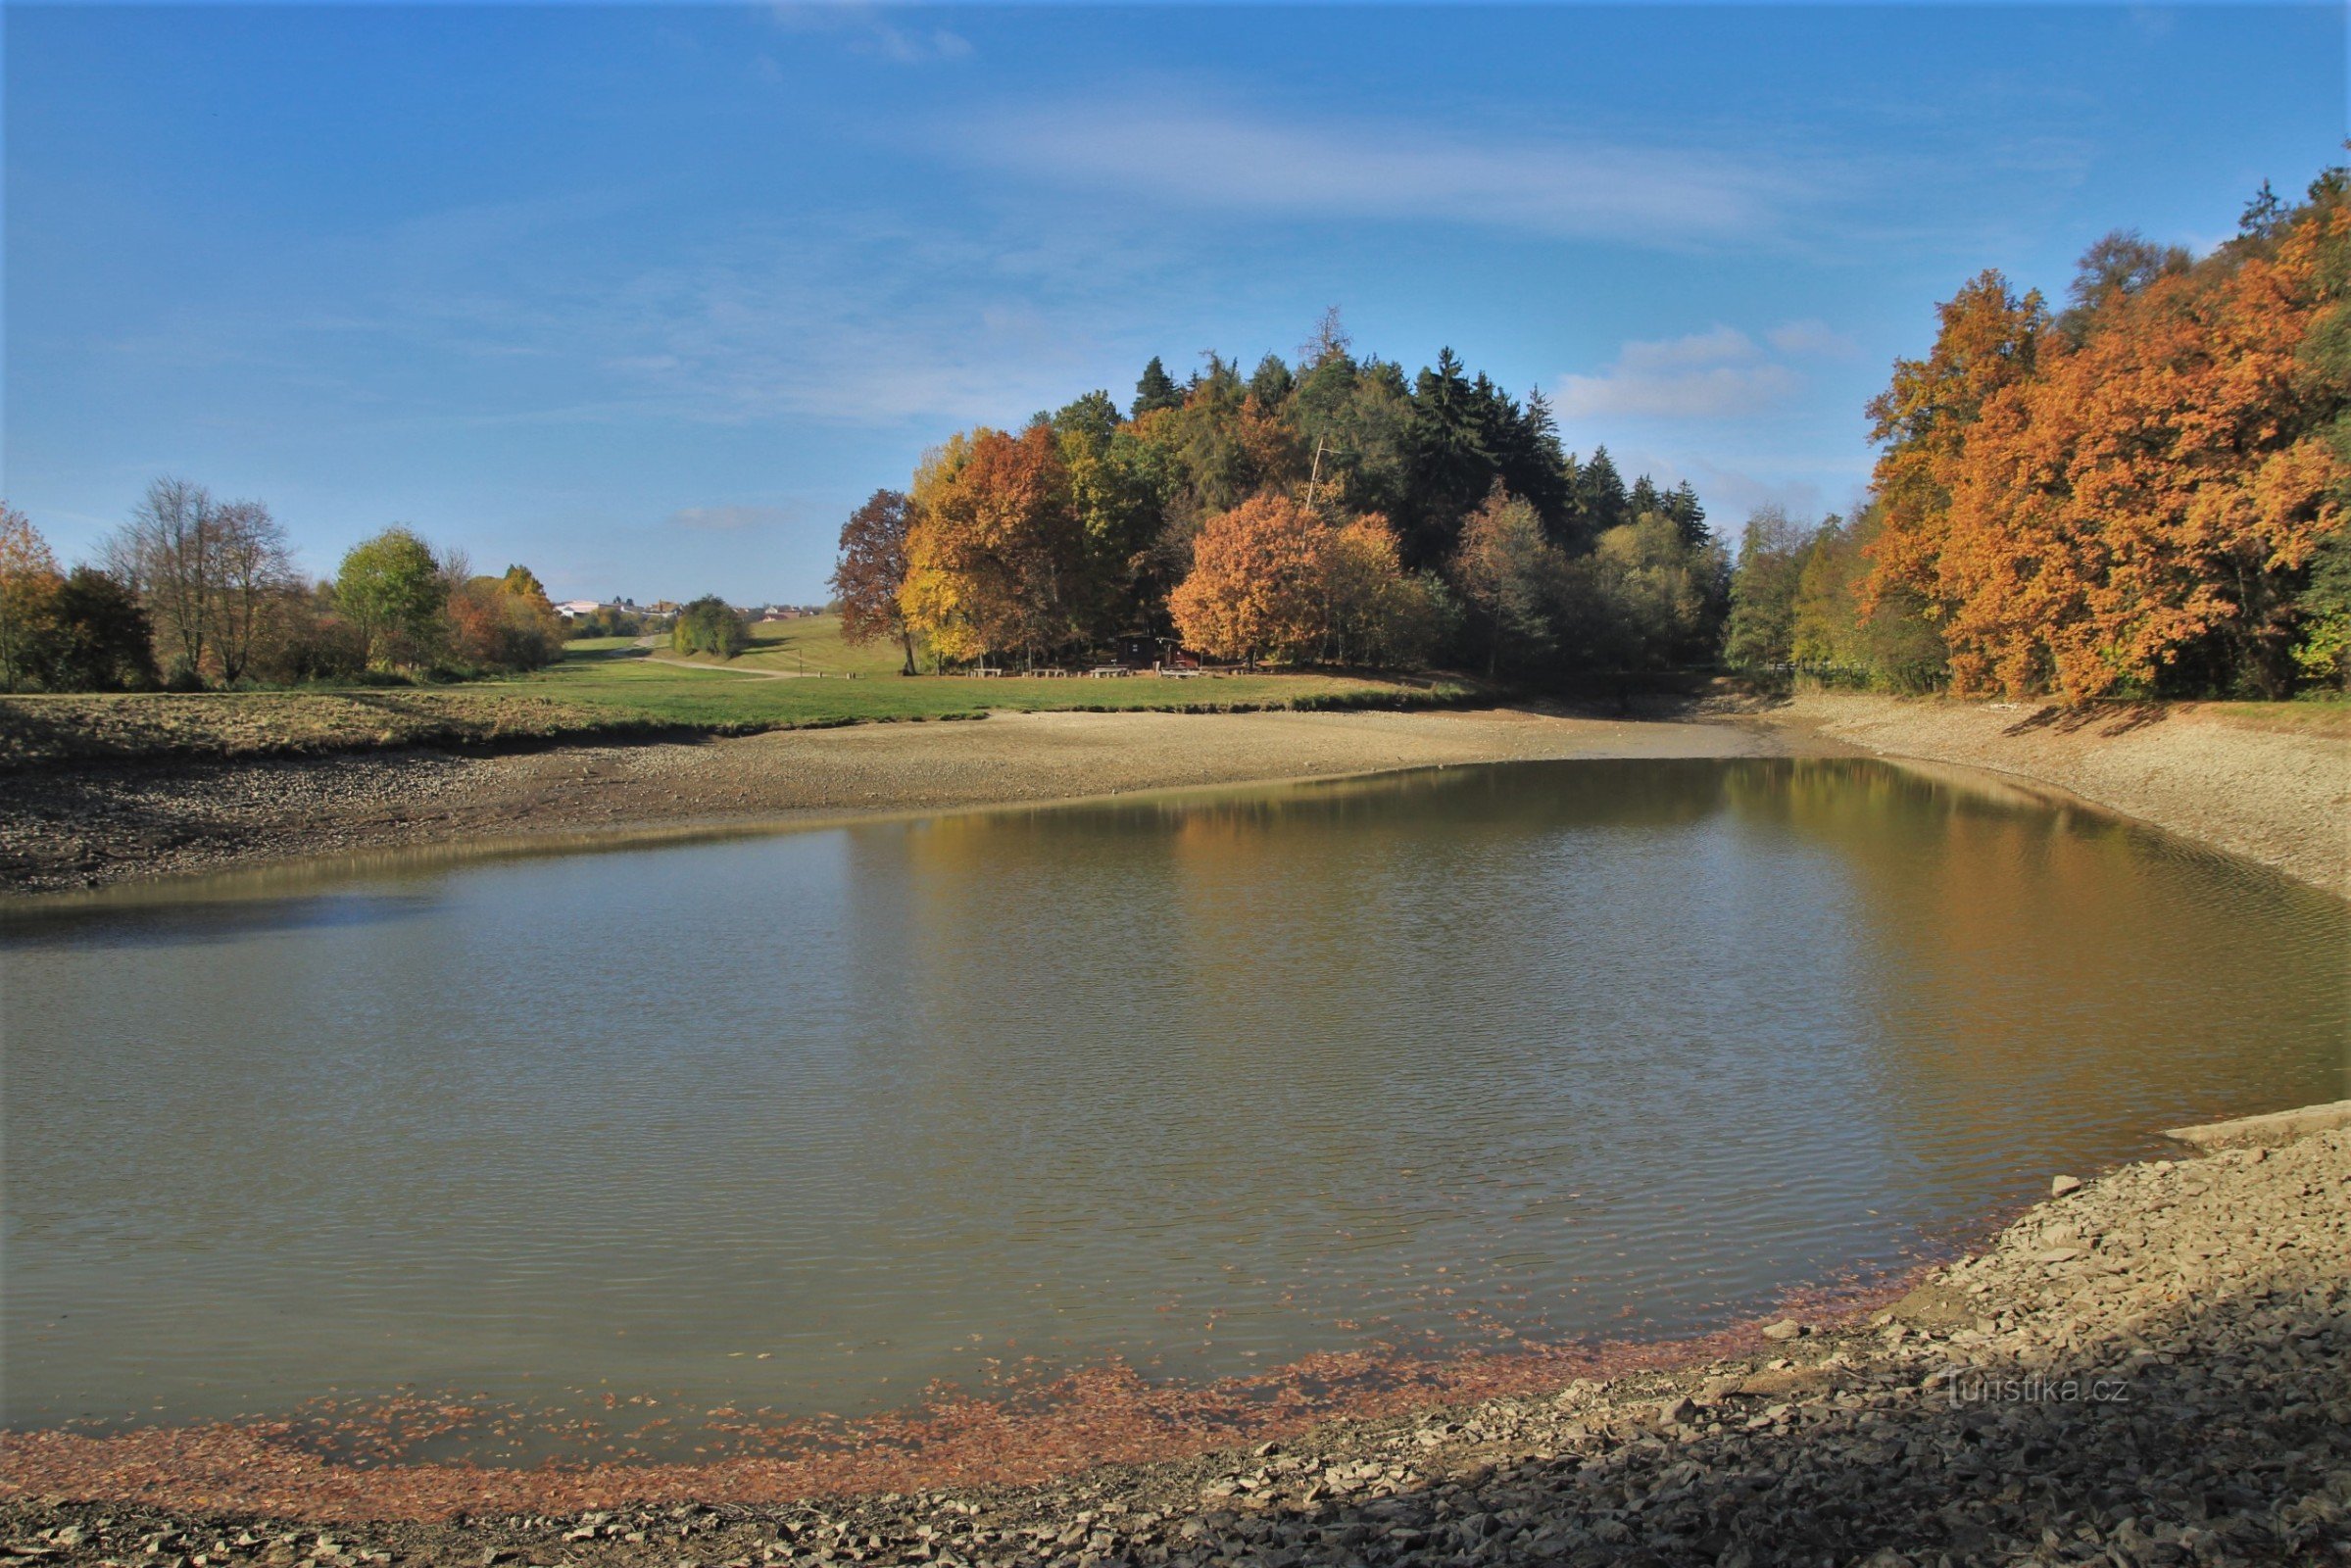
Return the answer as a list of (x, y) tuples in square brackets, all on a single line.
[(88, 825), (2150, 1368)]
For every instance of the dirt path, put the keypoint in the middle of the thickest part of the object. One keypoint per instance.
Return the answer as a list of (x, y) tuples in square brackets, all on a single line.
[(672, 662)]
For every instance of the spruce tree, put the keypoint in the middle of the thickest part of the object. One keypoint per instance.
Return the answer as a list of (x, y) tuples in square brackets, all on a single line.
[(1687, 516), (1157, 389), (1600, 495)]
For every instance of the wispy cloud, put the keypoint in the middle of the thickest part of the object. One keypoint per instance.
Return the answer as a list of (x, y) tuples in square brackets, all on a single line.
[(1813, 337), (734, 519), (1709, 374), (866, 30), (1392, 169)]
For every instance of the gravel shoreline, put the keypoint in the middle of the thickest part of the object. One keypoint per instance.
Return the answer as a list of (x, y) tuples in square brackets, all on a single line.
[(75, 827), (2280, 795), (2150, 1368)]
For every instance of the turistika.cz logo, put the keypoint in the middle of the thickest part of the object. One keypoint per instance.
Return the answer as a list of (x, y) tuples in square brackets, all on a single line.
[(1968, 1385)]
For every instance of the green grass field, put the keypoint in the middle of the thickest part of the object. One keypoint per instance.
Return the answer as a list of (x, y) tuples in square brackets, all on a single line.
[(811, 646), (815, 645), (608, 689), (735, 697)]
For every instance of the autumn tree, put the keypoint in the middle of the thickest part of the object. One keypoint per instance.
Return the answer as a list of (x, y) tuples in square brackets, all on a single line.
[(872, 565), (1375, 613), (504, 622), (1988, 341), (2142, 509), (1508, 572), (1015, 548), (1256, 586), (28, 586), (993, 557)]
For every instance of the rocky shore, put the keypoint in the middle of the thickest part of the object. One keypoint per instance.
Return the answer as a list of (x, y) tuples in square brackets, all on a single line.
[(2277, 792), (80, 827), (2153, 1367)]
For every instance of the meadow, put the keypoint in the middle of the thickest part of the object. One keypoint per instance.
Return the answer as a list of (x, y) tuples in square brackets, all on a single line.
[(608, 689)]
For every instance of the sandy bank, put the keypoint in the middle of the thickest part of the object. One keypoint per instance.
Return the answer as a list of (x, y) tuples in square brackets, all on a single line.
[(87, 826), (2153, 1367), (2277, 792)]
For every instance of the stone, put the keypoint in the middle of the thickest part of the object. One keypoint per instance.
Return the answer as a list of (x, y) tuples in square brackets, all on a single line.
[(2062, 1185), (1678, 1411), (1787, 1328)]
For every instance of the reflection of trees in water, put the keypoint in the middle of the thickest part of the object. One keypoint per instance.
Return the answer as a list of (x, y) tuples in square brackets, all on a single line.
[(1939, 985), (2045, 970)]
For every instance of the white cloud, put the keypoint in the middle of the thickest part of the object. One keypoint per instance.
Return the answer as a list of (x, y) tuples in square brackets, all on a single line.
[(1812, 336), (1708, 375), (1390, 169), (867, 31), (733, 519)]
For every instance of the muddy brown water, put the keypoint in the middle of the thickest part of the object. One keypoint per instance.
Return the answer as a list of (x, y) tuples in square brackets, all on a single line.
[(1441, 1062)]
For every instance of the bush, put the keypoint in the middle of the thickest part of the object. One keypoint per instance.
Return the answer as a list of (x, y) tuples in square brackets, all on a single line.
[(99, 639), (710, 625), (503, 623)]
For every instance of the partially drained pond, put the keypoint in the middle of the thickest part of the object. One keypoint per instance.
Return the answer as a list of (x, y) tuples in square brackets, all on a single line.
[(652, 1151)]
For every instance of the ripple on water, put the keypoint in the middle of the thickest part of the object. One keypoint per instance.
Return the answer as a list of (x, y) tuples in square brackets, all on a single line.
[(807, 1123)]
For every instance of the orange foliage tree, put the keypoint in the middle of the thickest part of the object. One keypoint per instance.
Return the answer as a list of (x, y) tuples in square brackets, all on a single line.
[(28, 586), (2088, 519), (1256, 585), (995, 556), (504, 622)]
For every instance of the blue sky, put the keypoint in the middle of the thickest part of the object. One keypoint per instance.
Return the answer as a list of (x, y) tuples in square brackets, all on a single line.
[(649, 297)]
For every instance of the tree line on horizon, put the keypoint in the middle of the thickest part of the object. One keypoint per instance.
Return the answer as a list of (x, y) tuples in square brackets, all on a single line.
[(1334, 510), (195, 593), (2142, 494)]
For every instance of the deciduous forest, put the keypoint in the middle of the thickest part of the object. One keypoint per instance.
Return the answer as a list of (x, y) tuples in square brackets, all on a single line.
[(2142, 494), (1331, 510)]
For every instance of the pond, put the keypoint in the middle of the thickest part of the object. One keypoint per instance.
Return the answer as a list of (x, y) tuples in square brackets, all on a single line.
[(1438, 1064)]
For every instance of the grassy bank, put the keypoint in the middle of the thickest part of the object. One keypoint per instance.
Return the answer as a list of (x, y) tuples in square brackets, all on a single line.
[(605, 694)]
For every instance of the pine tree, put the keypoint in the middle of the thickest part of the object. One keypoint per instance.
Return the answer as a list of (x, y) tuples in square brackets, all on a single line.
[(1687, 516), (1601, 502), (1157, 389), (1272, 381)]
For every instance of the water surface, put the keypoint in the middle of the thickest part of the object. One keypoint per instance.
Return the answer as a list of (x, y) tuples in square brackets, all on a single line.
[(1544, 1052)]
